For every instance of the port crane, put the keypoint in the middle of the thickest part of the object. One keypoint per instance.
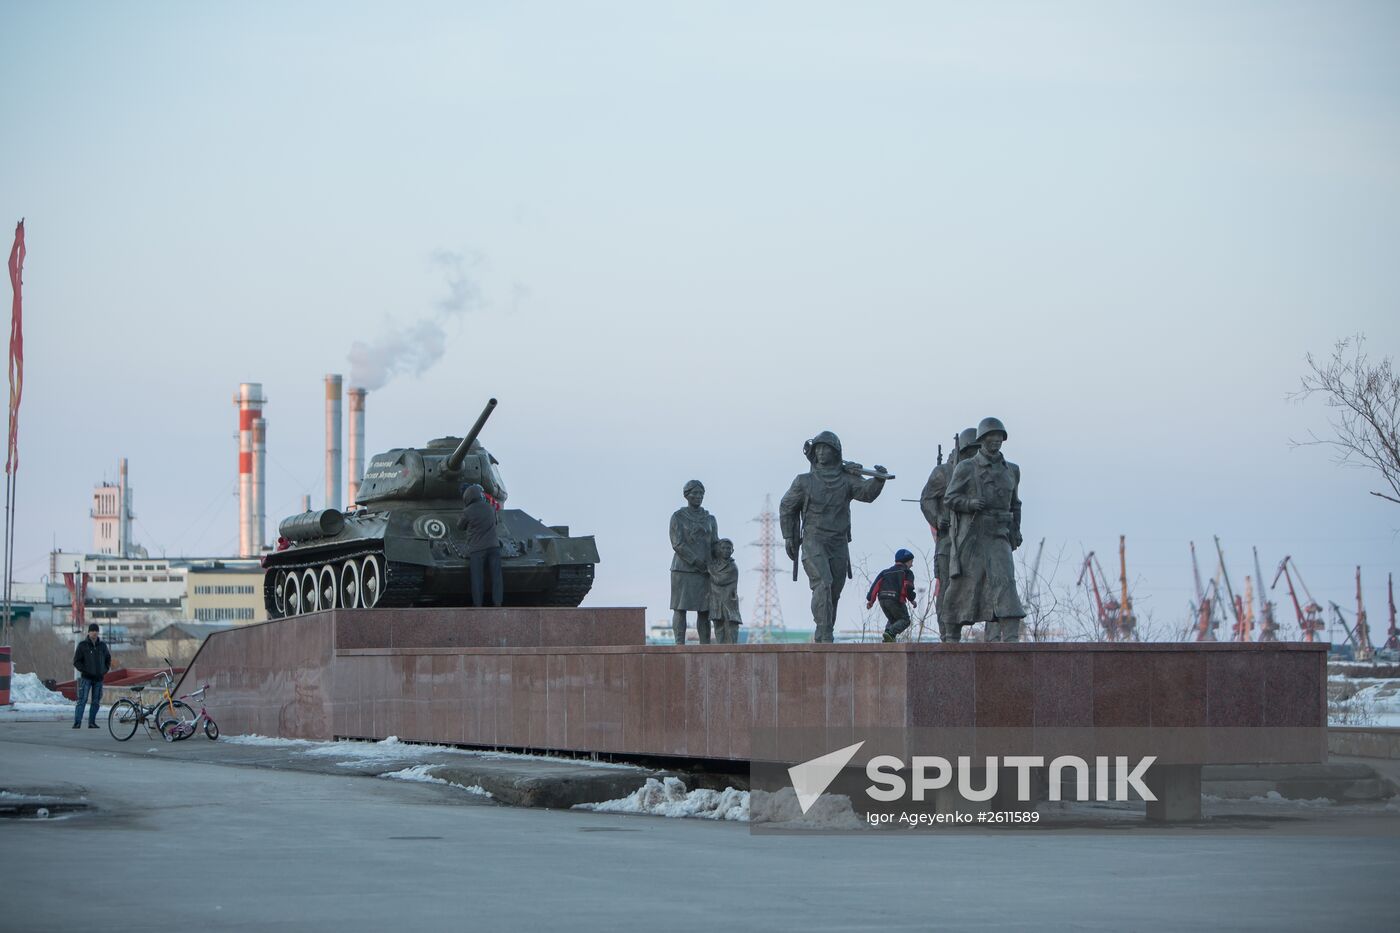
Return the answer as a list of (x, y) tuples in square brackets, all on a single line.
[(1392, 637), (1310, 616), (1205, 605), (1268, 624)]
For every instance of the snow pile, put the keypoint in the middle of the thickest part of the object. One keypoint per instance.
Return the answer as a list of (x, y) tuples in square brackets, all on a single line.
[(424, 774), (28, 688), (782, 810), (354, 754), (29, 695), (670, 798)]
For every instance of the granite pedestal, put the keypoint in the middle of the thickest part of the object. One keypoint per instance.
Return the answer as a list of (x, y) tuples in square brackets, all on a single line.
[(583, 681)]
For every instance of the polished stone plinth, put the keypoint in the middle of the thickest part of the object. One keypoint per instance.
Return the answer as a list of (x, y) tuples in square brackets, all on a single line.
[(511, 678)]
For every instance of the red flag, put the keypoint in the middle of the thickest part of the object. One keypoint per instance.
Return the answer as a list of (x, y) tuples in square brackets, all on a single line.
[(16, 347)]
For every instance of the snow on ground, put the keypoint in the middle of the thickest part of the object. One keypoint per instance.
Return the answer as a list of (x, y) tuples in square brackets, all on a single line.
[(783, 811), (1376, 702), (29, 695), (1272, 797), (670, 798), (424, 774), (269, 741), (392, 749)]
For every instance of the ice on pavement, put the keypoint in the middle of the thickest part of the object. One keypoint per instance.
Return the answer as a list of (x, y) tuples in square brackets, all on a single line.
[(669, 797)]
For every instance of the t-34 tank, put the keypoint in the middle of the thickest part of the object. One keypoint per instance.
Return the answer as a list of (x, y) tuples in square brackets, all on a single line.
[(401, 546)]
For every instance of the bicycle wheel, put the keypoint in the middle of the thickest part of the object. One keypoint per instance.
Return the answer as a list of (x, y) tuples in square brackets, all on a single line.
[(176, 712), (211, 729), (122, 720)]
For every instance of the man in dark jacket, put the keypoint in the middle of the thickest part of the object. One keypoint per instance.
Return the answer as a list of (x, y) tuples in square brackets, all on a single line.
[(483, 544), (893, 588), (93, 660)]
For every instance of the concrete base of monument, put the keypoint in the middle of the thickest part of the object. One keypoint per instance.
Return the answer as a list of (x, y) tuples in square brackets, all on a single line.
[(581, 681), (1178, 792)]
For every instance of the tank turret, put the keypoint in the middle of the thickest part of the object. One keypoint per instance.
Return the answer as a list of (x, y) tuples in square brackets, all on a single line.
[(400, 545), (439, 470)]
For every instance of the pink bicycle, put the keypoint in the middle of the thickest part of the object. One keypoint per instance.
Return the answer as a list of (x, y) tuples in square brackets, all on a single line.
[(173, 730)]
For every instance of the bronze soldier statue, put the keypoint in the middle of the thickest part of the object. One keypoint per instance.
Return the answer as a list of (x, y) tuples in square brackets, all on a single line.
[(693, 535), (815, 516), (983, 497), (936, 512)]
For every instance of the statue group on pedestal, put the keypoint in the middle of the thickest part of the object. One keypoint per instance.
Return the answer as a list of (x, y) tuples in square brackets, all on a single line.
[(972, 501), (704, 577)]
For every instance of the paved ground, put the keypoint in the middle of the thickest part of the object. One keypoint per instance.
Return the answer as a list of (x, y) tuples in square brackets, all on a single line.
[(218, 836)]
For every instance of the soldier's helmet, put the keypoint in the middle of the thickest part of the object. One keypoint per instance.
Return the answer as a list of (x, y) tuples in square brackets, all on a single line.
[(809, 449), (968, 438), (988, 425)]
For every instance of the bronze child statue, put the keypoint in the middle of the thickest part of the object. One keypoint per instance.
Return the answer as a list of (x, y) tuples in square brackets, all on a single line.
[(724, 593)]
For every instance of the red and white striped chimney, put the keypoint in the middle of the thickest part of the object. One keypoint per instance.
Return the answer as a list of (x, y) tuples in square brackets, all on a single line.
[(259, 483), (333, 383), (250, 402), (357, 442)]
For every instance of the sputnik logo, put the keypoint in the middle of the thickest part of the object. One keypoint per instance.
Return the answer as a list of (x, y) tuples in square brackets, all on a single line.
[(811, 778)]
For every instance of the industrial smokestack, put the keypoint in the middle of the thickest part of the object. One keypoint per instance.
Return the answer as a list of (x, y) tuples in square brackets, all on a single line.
[(123, 511), (250, 402), (306, 502), (333, 440), (357, 442), (259, 483)]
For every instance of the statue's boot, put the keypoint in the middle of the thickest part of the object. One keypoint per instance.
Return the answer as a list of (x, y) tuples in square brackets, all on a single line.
[(702, 630)]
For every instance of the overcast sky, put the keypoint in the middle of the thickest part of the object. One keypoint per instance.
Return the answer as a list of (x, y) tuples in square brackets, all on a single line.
[(675, 240)]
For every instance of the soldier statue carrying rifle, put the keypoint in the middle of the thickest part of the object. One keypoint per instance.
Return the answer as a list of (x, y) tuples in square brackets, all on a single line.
[(815, 517)]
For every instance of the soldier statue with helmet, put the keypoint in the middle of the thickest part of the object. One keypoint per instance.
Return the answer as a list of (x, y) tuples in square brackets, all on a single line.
[(931, 503), (985, 527), (815, 517)]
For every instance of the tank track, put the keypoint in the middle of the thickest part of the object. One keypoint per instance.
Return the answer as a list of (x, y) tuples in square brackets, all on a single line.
[(574, 583), (403, 584)]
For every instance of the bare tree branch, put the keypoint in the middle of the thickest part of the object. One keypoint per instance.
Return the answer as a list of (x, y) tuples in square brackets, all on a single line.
[(1365, 401)]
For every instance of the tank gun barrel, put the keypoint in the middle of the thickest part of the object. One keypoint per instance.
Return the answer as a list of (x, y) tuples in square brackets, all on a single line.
[(454, 461)]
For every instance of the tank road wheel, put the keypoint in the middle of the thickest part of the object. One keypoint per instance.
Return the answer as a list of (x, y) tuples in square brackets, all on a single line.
[(326, 592), (279, 592), (291, 594), (371, 581), (309, 590), (350, 585)]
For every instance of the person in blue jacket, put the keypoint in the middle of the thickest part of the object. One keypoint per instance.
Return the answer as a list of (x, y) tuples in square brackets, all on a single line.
[(894, 588)]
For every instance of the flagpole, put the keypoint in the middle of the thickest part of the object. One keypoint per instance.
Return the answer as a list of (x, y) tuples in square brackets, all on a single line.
[(16, 372), (9, 541)]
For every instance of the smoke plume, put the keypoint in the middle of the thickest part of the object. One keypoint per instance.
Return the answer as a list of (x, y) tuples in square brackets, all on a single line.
[(413, 349)]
